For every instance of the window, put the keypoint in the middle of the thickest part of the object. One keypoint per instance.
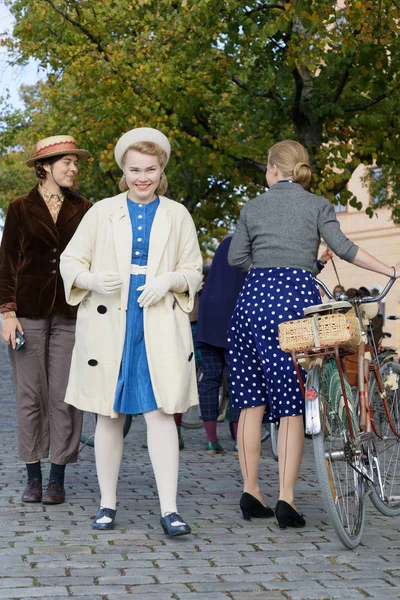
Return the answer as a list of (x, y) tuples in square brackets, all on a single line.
[(378, 188), (339, 208)]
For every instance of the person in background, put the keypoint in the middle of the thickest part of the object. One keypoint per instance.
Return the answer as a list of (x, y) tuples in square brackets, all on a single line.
[(338, 289), (37, 228), (217, 301), (135, 265)]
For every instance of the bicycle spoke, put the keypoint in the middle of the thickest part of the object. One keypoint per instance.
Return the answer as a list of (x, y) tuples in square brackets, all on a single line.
[(337, 459), (387, 498)]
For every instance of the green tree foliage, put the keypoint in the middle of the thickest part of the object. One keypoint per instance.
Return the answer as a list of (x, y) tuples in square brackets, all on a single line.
[(224, 79)]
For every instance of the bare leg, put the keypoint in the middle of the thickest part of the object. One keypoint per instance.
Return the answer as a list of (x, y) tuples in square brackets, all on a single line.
[(249, 446), (108, 447), (290, 452)]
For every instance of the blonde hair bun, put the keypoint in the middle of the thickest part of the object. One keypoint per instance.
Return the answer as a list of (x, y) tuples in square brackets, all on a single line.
[(302, 173), (292, 160)]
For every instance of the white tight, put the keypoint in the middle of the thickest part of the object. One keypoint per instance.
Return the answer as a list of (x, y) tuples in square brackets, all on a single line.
[(162, 441)]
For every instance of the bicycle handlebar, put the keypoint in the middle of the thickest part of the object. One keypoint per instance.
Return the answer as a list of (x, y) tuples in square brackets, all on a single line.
[(367, 300)]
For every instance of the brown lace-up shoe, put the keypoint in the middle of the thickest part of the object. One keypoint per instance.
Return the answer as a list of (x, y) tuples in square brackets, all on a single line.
[(32, 491), (54, 493)]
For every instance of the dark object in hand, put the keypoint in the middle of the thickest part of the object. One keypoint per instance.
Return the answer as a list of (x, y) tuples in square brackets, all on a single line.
[(19, 340)]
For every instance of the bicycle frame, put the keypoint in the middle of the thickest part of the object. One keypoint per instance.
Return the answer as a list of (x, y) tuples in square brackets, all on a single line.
[(365, 366), (311, 394)]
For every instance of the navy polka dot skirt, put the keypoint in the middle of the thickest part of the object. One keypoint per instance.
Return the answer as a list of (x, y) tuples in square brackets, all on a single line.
[(261, 373)]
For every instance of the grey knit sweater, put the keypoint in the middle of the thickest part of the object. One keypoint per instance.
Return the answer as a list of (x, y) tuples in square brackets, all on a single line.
[(283, 227)]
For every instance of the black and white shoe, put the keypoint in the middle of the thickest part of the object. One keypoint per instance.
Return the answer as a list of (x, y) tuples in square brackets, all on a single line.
[(104, 519), (173, 525)]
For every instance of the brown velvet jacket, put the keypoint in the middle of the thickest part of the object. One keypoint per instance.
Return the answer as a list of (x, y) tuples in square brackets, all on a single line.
[(30, 280)]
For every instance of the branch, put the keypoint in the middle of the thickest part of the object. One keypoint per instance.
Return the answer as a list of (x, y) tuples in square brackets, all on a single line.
[(338, 187), (91, 37), (342, 82), (249, 162), (260, 93), (298, 91), (359, 107)]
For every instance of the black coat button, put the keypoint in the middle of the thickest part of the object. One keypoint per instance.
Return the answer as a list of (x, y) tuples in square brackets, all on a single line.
[(54, 249), (53, 260), (53, 272), (102, 309), (92, 362)]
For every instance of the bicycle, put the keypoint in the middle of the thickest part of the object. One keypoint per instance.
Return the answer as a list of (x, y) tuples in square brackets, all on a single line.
[(89, 428), (356, 437), (191, 419), (270, 432)]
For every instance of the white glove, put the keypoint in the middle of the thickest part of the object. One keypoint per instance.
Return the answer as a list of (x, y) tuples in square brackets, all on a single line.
[(156, 288), (104, 282)]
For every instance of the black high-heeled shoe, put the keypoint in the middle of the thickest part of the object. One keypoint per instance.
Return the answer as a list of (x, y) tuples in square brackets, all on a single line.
[(251, 507), (287, 516)]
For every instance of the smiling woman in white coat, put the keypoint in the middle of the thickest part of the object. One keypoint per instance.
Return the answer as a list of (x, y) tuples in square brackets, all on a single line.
[(134, 265)]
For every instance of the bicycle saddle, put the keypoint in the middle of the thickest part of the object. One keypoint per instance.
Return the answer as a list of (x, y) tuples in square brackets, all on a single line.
[(328, 307)]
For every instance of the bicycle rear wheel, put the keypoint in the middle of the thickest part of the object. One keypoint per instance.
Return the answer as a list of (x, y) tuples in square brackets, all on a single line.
[(386, 499), (336, 458), (191, 419), (274, 440), (89, 428)]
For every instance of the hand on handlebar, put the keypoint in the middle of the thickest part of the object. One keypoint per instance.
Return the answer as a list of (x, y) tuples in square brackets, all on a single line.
[(397, 270)]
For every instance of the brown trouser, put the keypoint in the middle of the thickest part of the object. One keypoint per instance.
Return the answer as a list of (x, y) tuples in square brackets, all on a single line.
[(47, 426)]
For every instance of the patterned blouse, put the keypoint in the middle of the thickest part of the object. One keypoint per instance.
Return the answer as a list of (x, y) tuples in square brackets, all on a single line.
[(53, 201)]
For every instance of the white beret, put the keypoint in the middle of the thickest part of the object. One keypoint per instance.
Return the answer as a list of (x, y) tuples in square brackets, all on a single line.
[(141, 134)]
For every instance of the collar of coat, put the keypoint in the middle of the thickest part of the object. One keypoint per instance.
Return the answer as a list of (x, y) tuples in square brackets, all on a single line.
[(38, 207)]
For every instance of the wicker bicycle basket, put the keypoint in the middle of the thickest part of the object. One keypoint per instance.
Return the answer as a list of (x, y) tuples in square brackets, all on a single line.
[(319, 331)]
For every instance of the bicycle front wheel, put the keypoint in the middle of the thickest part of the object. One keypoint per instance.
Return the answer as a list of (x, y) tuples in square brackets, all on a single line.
[(191, 419), (336, 458), (385, 495), (88, 429), (274, 440)]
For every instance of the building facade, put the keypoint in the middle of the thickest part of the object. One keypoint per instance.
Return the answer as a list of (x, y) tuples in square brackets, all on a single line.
[(377, 235)]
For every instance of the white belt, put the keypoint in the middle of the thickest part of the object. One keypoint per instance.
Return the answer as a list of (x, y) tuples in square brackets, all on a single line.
[(138, 269)]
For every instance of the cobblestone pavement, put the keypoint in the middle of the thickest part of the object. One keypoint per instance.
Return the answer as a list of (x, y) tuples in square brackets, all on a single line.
[(52, 552)]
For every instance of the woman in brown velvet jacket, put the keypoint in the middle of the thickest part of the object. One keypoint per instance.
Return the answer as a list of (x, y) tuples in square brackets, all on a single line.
[(37, 229)]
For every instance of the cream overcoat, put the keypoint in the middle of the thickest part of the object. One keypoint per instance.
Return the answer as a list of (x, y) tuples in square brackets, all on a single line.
[(103, 242)]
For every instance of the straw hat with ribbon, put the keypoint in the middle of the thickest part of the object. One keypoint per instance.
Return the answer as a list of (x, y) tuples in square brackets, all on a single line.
[(57, 145)]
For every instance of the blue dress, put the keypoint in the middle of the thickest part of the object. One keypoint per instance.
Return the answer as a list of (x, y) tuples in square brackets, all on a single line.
[(134, 394)]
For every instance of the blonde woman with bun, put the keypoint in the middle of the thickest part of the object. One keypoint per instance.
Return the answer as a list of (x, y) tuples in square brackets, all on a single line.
[(277, 238)]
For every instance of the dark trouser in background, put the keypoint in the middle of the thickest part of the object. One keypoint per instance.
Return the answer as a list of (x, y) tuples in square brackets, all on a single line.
[(47, 426), (214, 362)]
